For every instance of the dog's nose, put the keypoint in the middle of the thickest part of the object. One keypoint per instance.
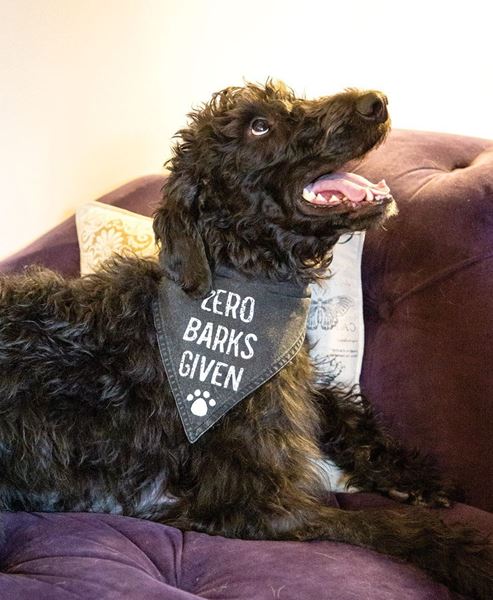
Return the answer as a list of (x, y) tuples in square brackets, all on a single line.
[(373, 107)]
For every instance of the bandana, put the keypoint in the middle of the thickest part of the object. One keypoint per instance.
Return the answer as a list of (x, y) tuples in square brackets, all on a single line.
[(218, 350)]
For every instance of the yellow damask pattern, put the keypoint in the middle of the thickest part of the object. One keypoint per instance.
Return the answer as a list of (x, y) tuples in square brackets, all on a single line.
[(104, 230)]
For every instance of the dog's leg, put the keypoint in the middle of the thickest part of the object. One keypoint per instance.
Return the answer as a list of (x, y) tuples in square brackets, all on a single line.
[(373, 460), (455, 556)]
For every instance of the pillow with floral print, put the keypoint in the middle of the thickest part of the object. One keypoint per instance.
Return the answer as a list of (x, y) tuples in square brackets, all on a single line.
[(103, 230)]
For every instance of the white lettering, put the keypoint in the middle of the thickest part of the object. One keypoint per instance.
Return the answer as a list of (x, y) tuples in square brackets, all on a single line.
[(206, 335), (232, 303), (221, 336), (217, 373), (192, 329), (217, 302), (184, 369), (249, 354), (228, 306), (205, 370), (233, 341), (231, 375), (248, 304), (194, 366), (203, 305)]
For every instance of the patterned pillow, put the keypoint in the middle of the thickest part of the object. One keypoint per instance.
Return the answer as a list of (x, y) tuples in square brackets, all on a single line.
[(335, 326), (103, 230)]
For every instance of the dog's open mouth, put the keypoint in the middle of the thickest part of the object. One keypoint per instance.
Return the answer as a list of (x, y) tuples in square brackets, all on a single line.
[(347, 191)]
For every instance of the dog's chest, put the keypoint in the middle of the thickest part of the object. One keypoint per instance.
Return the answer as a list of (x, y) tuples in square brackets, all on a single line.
[(152, 500), (149, 501)]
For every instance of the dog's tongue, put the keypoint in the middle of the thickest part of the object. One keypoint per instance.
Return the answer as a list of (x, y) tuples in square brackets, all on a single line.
[(332, 189)]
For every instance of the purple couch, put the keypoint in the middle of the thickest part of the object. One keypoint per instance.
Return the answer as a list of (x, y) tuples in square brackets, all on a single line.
[(427, 369)]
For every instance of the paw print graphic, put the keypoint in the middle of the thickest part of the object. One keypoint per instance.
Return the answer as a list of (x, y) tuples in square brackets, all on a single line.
[(200, 402)]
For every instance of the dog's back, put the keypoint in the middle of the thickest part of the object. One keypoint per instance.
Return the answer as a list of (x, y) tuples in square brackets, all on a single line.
[(79, 377)]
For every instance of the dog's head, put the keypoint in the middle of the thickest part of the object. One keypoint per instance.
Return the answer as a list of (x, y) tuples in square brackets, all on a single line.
[(248, 184)]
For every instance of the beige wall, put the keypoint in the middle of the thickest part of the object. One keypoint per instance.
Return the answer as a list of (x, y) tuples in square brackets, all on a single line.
[(91, 91)]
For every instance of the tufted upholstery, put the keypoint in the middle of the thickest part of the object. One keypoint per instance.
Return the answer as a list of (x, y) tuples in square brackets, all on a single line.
[(428, 317), (106, 557), (429, 308)]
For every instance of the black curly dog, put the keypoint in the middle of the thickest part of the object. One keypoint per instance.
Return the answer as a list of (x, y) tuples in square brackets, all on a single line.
[(88, 422)]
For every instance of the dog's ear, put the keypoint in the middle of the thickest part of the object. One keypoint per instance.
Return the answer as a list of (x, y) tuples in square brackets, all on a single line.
[(182, 254)]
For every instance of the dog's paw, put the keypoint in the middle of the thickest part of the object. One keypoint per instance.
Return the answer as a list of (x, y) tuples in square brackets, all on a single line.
[(432, 498)]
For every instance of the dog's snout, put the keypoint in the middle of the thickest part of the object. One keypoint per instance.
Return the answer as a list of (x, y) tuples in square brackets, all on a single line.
[(373, 107)]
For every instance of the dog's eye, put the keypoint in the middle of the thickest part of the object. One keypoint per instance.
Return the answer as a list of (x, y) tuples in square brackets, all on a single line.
[(259, 126)]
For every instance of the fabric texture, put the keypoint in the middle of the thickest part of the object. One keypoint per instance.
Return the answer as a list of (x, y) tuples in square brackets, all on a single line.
[(218, 350), (104, 230), (108, 557), (427, 281)]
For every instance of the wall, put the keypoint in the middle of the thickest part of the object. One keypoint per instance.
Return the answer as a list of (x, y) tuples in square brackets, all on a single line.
[(92, 91)]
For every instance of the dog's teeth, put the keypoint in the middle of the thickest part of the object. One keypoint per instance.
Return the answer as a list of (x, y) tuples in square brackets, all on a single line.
[(320, 198), (308, 195), (369, 195), (334, 199)]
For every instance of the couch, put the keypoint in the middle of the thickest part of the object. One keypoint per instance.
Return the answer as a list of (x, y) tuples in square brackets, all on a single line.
[(427, 283)]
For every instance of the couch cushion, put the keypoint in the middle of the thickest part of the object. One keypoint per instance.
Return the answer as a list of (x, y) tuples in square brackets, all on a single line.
[(67, 556)]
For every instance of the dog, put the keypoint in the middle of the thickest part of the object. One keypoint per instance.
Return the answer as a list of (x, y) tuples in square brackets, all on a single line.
[(89, 418)]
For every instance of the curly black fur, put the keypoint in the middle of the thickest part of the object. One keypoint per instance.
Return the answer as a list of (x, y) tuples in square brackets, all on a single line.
[(88, 422)]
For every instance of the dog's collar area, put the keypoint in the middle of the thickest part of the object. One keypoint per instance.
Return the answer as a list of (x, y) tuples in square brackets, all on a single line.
[(268, 285), (219, 349), (348, 190)]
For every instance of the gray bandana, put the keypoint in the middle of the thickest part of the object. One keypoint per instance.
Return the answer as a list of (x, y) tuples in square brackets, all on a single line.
[(218, 350)]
